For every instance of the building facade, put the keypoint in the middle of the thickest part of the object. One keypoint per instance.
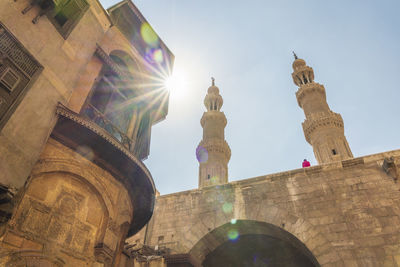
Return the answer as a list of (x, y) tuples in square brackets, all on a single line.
[(343, 212), (80, 88)]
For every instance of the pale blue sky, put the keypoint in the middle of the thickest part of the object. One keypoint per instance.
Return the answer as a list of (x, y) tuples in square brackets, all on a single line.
[(353, 47)]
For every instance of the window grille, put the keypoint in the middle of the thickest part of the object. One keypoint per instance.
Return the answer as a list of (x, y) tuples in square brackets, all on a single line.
[(9, 79)]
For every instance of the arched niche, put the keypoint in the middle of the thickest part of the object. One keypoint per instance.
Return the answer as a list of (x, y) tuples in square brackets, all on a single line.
[(251, 243), (65, 210)]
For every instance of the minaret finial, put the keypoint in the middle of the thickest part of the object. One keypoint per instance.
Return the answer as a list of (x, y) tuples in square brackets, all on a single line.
[(212, 81), (295, 56)]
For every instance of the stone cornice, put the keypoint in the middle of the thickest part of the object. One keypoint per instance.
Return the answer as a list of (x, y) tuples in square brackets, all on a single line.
[(216, 145), (321, 120), (309, 89)]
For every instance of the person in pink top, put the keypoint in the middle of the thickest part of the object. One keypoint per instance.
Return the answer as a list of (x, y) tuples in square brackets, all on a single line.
[(306, 163)]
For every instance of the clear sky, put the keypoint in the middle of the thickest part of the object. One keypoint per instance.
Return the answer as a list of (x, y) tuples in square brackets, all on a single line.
[(353, 47)]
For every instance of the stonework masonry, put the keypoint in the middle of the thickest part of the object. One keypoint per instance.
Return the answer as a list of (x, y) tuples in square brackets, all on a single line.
[(213, 152), (343, 212), (323, 129), (73, 185), (346, 213), (75, 192)]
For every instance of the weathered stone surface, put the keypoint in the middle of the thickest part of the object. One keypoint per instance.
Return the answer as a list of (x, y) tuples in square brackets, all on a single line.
[(346, 216)]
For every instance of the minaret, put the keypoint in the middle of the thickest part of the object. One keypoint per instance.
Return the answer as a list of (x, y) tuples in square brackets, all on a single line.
[(322, 127), (213, 152)]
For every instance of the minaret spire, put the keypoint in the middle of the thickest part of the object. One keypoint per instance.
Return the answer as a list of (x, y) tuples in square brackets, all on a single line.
[(213, 152), (295, 56), (323, 128)]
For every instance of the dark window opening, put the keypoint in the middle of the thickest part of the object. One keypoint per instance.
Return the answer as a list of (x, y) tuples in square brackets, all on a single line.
[(334, 152), (61, 18), (109, 108), (208, 176), (305, 79), (66, 14)]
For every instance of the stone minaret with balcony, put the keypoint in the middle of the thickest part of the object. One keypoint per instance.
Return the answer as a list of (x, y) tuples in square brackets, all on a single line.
[(213, 152), (323, 128)]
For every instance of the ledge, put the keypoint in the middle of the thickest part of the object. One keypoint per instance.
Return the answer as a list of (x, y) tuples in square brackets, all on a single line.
[(73, 131)]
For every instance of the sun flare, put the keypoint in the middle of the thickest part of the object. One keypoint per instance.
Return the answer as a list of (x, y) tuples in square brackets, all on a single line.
[(176, 84)]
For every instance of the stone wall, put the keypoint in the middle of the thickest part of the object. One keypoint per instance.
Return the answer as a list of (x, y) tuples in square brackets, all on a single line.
[(346, 213), (63, 61)]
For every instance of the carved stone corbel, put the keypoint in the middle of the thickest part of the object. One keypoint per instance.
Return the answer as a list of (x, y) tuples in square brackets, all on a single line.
[(103, 254), (45, 6), (390, 168)]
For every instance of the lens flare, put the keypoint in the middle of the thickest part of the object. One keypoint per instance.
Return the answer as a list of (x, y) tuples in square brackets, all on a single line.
[(233, 234), (86, 152), (158, 56), (214, 179), (227, 207), (201, 154), (148, 35)]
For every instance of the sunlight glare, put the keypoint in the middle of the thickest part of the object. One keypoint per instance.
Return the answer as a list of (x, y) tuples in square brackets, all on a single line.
[(176, 84)]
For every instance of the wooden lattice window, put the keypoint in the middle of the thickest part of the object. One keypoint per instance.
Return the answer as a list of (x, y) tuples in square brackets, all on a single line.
[(18, 70), (66, 14), (9, 79)]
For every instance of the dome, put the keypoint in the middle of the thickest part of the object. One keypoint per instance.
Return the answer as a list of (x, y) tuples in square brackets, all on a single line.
[(298, 63), (213, 90)]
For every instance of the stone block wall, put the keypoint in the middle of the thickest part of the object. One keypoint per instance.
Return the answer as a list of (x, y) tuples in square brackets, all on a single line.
[(346, 213), (63, 61)]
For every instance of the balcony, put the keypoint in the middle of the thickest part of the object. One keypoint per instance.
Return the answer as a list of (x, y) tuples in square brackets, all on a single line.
[(74, 130)]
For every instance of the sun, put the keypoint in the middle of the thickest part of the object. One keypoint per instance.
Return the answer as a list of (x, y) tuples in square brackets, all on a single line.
[(176, 83)]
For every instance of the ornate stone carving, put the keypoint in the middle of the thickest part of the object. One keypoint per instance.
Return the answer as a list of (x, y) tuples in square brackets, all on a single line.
[(319, 120), (33, 258), (307, 89), (57, 223), (216, 145), (103, 254)]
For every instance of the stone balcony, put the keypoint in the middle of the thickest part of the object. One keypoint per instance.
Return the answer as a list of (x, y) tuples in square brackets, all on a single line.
[(74, 131)]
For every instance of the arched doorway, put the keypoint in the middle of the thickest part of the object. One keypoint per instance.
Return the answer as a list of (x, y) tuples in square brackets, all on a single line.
[(251, 243)]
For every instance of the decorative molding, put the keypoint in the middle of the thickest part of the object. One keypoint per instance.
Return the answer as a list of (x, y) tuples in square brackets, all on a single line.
[(103, 254), (213, 115), (321, 120), (308, 88), (108, 60), (216, 145)]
